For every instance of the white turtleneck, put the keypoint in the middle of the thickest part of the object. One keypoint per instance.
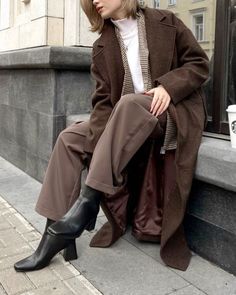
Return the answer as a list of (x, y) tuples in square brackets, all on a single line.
[(128, 29)]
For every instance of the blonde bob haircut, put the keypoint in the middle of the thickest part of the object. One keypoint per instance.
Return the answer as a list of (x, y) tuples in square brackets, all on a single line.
[(97, 22)]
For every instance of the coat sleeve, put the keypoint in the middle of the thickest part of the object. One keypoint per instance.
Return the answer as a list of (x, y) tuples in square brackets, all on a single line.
[(192, 68), (101, 109)]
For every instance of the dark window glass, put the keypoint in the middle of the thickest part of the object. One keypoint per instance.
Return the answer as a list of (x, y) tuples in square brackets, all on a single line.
[(231, 97)]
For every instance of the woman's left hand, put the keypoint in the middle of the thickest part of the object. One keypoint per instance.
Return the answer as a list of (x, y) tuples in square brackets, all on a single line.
[(161, 100)]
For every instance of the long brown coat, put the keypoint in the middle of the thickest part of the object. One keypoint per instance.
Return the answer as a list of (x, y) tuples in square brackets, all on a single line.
[(181, 66)]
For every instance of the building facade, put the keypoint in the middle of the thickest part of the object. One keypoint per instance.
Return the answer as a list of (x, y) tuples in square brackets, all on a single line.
[(198, 15), (31, 23)]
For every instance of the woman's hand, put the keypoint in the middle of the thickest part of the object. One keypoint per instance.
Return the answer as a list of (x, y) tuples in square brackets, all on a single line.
[(161, 100)]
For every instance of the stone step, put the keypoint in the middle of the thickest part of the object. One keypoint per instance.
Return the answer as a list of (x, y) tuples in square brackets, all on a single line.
[(76, 118)]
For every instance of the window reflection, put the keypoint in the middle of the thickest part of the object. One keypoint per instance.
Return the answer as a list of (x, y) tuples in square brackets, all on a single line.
[(231, 98), (199, 16)]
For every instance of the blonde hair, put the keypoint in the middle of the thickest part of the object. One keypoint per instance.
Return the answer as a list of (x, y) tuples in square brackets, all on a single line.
[(97, 22)]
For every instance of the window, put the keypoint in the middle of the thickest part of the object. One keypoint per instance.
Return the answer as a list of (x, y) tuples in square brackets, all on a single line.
[(156, 3), (221, 80), (231, 88), (198, 26), (4, 14), (171, 2)]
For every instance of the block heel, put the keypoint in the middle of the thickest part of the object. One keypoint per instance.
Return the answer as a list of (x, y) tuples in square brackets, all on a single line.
[(70, 252), (91, 224)]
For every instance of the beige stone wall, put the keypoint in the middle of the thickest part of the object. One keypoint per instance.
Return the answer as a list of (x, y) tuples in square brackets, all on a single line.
[(43, 22), (31, 23), (63, 23), (77, 25)]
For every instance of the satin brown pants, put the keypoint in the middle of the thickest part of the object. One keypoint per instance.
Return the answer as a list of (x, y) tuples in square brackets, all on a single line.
[(128, 127)]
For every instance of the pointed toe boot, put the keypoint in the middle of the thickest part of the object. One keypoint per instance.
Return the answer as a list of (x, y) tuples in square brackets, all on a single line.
[(48, 247)]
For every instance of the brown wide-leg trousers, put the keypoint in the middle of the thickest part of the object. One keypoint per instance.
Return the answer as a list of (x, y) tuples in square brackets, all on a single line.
[(128, 127)]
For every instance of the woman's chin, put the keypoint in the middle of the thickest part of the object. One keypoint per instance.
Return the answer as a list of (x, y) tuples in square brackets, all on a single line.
[(105, 16)]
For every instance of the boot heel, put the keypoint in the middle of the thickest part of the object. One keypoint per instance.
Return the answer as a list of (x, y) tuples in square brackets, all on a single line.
[(91, 224), (70, 252)]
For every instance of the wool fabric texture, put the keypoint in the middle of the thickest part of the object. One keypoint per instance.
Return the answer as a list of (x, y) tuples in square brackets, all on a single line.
[(170, 141)]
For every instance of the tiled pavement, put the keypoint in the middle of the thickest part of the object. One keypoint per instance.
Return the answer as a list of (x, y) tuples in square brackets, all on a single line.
[(128, 267), (17, 240)]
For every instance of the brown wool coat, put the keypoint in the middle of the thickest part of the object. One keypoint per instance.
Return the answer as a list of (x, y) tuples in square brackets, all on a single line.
[(181, 66)]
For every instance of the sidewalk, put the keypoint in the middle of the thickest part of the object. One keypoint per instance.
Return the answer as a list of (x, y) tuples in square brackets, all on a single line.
[(17, 240), (127, 268)]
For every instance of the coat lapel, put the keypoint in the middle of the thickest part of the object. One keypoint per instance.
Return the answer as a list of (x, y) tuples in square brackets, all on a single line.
[(109, 60), (161, 50), (161, 42)]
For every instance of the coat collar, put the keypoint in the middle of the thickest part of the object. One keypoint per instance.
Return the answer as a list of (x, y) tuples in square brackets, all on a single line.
[(160, 40), (149, 15)]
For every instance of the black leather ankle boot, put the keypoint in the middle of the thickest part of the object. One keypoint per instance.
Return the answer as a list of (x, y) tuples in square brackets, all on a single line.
[(81, 216), (48, 247)]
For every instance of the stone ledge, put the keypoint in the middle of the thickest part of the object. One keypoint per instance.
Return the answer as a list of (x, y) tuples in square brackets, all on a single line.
[(47, 57), (76, 118), (216, 163)]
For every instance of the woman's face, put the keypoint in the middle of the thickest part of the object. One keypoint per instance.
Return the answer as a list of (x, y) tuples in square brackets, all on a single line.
[(110, 8)]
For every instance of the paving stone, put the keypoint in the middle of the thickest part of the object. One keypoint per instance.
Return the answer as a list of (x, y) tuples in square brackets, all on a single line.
[(7, 212), (64, 270), (209, 278), (14, 282), (2, 292), (79, 285), (17, 221), (4, 205), (34, 244), (2, 244), (23, 196), (55, 288), (14, 250), (123, 269), (31, 236), (150, 249), (4, 224), (11, 238), (190, 290), (12, 243), (8, 262), (22, 192), (7, 169), (101, 213), (42, 277)]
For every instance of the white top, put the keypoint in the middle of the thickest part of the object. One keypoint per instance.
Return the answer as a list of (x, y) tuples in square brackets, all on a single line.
[(128, 28)]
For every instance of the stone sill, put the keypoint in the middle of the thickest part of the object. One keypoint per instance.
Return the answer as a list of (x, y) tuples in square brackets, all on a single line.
[(216, 162), (47, 57)]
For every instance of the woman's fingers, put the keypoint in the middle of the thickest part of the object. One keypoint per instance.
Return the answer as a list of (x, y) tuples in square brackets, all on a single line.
[(157, 103), (160, 101), (156, 98), (160, 109)]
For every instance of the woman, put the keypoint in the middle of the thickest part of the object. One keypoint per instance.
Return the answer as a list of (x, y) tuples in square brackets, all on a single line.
[(148, 70)]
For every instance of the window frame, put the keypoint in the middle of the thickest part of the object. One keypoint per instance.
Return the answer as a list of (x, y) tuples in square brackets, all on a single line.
[(7, 25), (172, 4), (194, 15), (220, 82), (156, 3)]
